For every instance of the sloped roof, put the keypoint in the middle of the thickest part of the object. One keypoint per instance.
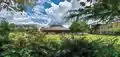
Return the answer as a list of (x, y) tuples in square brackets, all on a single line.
[(55, 27)]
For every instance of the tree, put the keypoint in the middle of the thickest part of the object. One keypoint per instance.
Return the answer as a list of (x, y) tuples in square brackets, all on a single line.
[(4, 33), (4, 28), (20, 1), (23, 3), (102, 10), (79, 26), (27, 2)]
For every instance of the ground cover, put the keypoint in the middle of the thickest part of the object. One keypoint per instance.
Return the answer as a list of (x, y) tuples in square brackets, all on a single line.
[(39, 44)]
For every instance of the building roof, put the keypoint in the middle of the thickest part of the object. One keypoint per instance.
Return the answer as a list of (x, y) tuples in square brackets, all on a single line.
[(55, 27)]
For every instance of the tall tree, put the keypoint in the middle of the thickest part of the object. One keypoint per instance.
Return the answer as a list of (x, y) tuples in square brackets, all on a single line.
[(102, 10)]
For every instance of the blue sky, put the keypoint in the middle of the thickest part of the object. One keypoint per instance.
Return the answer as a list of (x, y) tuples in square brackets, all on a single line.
[(46, 5), (54, 11), (56, 1)]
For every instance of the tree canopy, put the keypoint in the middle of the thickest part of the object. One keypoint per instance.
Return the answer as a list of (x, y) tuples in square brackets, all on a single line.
[(20, 1), (102, 10), (79, 26)]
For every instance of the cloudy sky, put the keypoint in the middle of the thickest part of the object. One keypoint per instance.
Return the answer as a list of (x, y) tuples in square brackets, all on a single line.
[(52, 11)]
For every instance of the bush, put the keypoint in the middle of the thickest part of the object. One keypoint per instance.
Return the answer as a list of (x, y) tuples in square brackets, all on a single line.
[(76, 48), (79, 26), (117, 31), (4, 33), (24, 44), (31, 45), (37, 44)]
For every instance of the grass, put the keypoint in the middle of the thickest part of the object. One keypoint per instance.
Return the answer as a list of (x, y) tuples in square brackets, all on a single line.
[(102, 39), (89, 37)]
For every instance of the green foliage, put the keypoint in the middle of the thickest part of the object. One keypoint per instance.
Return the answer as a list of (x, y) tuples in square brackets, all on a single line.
[(29, 45), (76, 48), (4, 27), (20, 1), (116, 31), (102, 10), (26, 2), (19, 7), (4, 33), (37, 44), (24, 44), (108, 45), (80, 26), (105, 10)]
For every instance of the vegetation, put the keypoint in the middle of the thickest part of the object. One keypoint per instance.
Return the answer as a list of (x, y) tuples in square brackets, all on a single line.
[(37, 44), (4, 33), (30, 3), (102, 10), (32, 43), (79, 26), (20, 1), (116, 31), (21, 5)]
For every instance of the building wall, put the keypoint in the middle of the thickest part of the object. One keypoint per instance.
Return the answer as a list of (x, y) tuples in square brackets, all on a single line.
[(105, 28), (108, 28), (116, 25)]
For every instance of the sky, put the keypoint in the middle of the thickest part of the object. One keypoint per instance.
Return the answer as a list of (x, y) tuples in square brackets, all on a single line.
[(54, 8), (44, 10)]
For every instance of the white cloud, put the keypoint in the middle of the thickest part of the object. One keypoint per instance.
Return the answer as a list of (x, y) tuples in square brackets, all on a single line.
[(55, 13), (58, 11)]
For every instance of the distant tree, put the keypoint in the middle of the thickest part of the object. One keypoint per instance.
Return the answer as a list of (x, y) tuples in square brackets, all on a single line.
[(79, 26), (12, 26)]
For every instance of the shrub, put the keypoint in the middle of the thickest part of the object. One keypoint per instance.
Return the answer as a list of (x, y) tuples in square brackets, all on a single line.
[(76, 48), (24, 45), (31, 45), (37, 44), (4, 33), (117, 31), (79, 26)]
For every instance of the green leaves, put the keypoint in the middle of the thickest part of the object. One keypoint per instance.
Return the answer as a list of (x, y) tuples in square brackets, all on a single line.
[(103, 10), (79, 26), (26, 44)]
